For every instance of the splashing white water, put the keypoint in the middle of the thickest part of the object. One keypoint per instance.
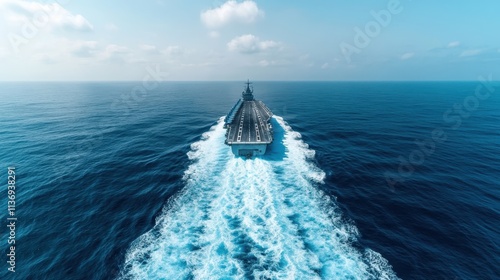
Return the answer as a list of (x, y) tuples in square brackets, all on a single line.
[(259, 218)]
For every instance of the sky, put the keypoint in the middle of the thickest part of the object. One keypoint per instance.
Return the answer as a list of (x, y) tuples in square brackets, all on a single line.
[(217, 40)]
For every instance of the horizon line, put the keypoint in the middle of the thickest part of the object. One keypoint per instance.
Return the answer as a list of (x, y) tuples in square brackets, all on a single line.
[(205, 81)]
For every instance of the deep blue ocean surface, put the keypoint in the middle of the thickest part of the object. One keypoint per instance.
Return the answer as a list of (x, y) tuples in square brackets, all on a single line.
[(364, 181)]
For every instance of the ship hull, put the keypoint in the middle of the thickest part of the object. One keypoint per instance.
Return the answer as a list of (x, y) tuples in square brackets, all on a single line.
[(249, 150)]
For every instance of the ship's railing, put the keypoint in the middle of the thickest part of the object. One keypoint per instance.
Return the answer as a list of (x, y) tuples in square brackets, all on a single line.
[(230, 117)]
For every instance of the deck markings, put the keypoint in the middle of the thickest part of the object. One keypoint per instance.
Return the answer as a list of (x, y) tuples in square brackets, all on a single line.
[(250, 124)]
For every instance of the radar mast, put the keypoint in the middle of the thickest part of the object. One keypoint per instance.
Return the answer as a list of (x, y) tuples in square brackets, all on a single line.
[(247, 94)]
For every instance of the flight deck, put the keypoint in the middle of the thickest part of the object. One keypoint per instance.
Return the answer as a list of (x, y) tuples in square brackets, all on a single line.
[(248, 128)]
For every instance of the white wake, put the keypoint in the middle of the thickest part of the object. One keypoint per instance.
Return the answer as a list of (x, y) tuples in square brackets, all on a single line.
[(260, 218)]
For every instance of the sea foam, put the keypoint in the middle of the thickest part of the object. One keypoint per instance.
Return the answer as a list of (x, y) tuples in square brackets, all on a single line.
[(261, 218)]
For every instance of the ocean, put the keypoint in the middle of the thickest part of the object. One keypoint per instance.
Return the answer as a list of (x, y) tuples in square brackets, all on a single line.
[(365, 180)]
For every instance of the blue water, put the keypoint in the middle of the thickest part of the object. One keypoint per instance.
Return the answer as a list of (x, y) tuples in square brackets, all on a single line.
[(116, 186)]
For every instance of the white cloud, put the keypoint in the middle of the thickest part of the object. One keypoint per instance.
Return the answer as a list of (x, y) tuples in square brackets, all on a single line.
[(116, 53), (116, 49), (151, 49), (264, 63), (231, 11), (407, 56), (470, 52), (57, 50), (95, 52), (250, 44), (146, 47), (304, 57), (454, 44), (274, 63), (172, 50), (325, 65), (85, 48), (42, 15), (112, 48)]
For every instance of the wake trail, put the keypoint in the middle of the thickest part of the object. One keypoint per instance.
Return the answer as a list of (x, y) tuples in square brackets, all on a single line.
[(261, 218)]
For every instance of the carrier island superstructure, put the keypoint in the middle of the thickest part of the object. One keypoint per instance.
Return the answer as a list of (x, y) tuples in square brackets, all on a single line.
[(248, 128)]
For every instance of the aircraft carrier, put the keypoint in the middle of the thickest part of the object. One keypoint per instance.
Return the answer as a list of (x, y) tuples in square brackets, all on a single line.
[(248, 128)]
